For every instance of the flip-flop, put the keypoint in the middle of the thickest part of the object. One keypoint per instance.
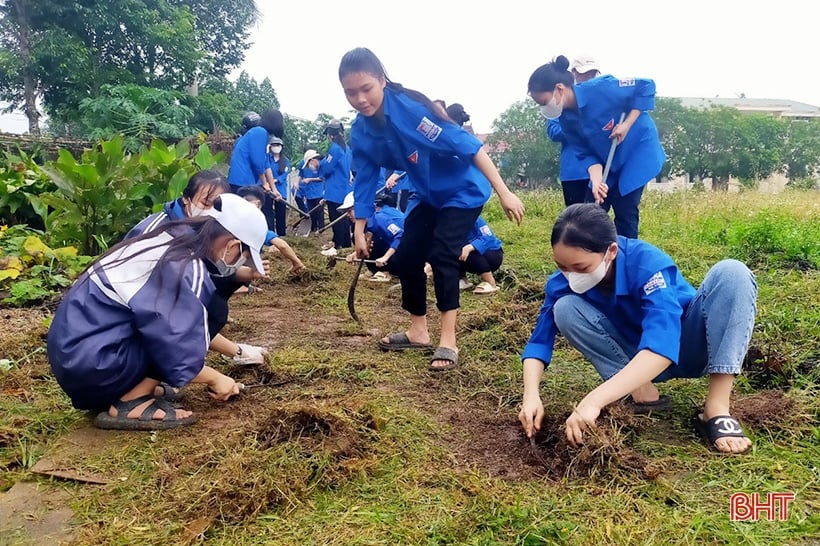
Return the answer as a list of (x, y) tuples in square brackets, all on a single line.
[(146, 420), (444, 353), (642, 408), (485, 288), (720, 426), (400, 342)]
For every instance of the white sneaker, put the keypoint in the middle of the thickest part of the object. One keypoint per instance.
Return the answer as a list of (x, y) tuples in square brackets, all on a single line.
[(329, 252), (329, 244), (464, 284)]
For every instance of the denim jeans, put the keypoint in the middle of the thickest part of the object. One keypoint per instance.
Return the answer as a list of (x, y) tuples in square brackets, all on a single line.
[(715, 329)]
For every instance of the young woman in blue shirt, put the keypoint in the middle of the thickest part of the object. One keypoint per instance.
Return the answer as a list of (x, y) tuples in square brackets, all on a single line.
[(335, 169), (627, 308), (589, 114), (401, 129)]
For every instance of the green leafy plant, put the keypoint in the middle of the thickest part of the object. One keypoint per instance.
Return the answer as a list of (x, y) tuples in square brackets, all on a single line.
[(30, 271), (21, 182)]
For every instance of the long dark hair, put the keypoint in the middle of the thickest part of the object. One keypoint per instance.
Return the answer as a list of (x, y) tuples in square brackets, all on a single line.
[(586, 226), (547, 76), (215, 183), (362, 59), (192, 239)]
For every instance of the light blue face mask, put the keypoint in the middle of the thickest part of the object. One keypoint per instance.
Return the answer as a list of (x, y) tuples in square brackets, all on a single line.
[(225, 269)]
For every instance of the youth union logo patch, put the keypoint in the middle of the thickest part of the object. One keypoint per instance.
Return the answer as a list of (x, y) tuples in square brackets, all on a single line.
[(430, 130), (655, 282)]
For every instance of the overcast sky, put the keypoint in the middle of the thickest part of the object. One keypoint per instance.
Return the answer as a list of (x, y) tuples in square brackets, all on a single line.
[(482, 54)]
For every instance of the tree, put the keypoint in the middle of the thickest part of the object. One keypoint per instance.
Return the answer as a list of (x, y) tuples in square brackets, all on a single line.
[(65, 52), (519, 144)]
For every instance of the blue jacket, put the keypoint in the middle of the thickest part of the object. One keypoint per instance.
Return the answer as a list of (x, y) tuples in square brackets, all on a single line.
[(601, 100), (387, 225), (121, 322), (437, 155), (280, 178), (647, 306), (335, 169), (249, 158), (311, 190), (570, 165), (482, 237)]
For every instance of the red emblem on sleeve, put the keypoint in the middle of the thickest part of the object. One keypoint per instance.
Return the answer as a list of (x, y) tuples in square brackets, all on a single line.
[(414, 157)]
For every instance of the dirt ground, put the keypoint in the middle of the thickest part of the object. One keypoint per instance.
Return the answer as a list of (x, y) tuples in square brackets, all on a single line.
[(306, 318)]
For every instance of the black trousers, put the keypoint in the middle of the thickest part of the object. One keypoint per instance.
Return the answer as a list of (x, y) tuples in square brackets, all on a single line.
[(341, 229), (435, 236), (317, 217), (626, 211), (218, 306), (280, 211), (576, 191), (489, 262)]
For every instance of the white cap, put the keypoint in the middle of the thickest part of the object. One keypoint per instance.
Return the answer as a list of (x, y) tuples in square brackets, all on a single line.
[(347, 204), (584, 64), (244, 221), (310, 154)]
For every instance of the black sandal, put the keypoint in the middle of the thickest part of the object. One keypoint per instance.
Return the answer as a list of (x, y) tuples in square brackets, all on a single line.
[(146, 420)]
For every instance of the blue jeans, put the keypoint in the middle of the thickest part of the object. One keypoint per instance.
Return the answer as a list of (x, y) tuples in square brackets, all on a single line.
[(715, 328)]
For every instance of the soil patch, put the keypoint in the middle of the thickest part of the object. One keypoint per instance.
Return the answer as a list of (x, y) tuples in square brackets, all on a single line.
[(32, 513)]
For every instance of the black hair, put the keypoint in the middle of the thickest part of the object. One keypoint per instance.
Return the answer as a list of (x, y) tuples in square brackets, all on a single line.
[(586, 226), (547, 76), (254, 191), (215, 183), (457, 114), (192, 239), (273, 122), (362, 59)]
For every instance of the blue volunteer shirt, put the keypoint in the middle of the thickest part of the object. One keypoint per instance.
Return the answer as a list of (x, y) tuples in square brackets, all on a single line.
[(249, 158), (647, 305), (482, 237), (335, 169), (570, 166), (280, 178), (387, 225), (601, 100), (437, 155), (311, 190)]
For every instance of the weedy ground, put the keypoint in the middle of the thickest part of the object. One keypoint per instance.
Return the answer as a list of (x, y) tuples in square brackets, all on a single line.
[(353, 446)]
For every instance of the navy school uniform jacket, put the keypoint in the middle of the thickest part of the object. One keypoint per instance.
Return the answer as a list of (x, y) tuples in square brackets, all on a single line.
[(482, 237), (437, 155), (335, 169), (387, 225), (121, 321), (647, 305), (249, 158), (601, 100)]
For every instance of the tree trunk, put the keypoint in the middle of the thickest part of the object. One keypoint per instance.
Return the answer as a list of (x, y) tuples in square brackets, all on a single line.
[(720, 183), (29, 82)]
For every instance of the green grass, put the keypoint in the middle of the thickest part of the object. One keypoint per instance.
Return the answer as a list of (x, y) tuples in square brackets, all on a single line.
[(364, 448)]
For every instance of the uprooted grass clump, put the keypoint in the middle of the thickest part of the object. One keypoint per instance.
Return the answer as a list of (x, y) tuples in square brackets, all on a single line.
[(275, 461), (606, 448), (772, 411)]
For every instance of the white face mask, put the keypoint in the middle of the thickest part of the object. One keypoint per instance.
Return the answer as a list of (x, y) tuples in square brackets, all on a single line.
[(553, 108), (276, 149), (194, 210), (582, 282)]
